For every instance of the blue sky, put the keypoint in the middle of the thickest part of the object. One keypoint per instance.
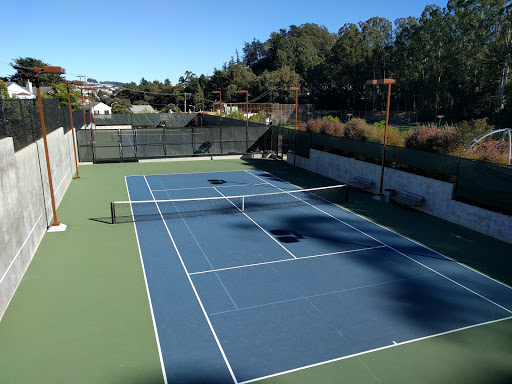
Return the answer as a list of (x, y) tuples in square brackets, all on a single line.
[(127, 40)]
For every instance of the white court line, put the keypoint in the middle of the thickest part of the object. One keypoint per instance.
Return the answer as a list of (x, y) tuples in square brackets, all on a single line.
[(374, 350), (403, 254), (194, 289), (56, 189), (286, 260), (259, 226), (19, 250), (185, 173), (148, 292), (402, 236), (219, 186), (30, 233)]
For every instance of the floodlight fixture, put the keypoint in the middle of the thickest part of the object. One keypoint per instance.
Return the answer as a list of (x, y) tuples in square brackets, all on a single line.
[(50, 69)]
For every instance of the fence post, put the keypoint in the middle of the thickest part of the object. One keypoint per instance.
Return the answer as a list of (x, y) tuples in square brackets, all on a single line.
[(3, 116), (454, 193), (23, 125)]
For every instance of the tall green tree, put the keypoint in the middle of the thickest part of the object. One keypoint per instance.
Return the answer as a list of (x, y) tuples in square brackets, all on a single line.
[(24, 72), (3, 90)]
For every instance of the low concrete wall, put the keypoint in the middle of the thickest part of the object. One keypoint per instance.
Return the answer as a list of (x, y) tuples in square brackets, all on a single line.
[(437, 194), (25, 206)]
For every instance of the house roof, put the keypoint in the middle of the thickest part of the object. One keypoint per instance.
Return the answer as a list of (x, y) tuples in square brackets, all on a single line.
[(141, 108)]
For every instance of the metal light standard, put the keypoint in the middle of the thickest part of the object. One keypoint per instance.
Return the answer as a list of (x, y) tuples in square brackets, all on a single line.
[(202, 116), (71, 120), (220, 112), (91, 114), (380, 82), (83, 106), (247, 119), (246, 105), (220, 105), (296, 89), (56, 226)]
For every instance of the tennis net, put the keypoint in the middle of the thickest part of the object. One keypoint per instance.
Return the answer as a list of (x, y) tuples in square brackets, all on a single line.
[(133, 211)]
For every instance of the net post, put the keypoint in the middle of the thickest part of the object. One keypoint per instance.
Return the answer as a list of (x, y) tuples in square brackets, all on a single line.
[(112, 213), (243, 204)]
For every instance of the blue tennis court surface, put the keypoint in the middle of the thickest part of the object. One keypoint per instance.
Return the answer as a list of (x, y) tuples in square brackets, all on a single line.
[(239, 297)]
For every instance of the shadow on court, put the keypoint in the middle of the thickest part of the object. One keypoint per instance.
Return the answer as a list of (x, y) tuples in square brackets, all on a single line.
[(484, 253)]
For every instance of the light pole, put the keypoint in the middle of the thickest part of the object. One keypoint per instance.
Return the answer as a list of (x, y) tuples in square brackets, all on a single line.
[(83, 106), (202, 117), (220, 105), (247, 120), (246, 105), (220, 112), (380, 82), (48, 69), (71, 120), (296, 89), (91, 110)]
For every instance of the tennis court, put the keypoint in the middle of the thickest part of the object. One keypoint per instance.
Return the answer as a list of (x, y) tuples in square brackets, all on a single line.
[(287, 280)]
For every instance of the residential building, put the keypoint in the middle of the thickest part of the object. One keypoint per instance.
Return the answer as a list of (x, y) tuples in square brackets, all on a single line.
[(142, 109)]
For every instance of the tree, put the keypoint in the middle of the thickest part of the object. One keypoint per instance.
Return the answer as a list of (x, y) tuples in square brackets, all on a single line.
[(25, 72), (3, 90), (59, 91)]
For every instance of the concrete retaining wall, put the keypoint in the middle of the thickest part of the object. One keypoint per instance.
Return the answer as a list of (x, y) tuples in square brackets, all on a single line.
[(437, 194), (25, 206)]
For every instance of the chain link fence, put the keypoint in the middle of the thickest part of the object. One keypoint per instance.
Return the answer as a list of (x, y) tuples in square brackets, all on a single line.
[(482, 184), (160, 141), (20, 119), (395, 117)]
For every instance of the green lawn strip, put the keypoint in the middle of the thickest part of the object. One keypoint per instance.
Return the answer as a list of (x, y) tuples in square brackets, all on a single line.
[(473, 356), (477, 355)]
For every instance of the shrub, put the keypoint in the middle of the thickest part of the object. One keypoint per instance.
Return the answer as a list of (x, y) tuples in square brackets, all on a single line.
[(377, 134), (431, 138), (473, 128), (331, 118), (237, 114), (315, 126), (358, 129), (495, 151), (326, 126)]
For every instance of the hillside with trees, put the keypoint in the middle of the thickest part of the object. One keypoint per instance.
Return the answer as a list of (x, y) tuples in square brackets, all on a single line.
[(452, 61)]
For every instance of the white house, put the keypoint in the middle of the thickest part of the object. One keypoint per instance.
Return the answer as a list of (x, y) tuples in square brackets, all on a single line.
[(29, 92), (99, 108), (15, 90)]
